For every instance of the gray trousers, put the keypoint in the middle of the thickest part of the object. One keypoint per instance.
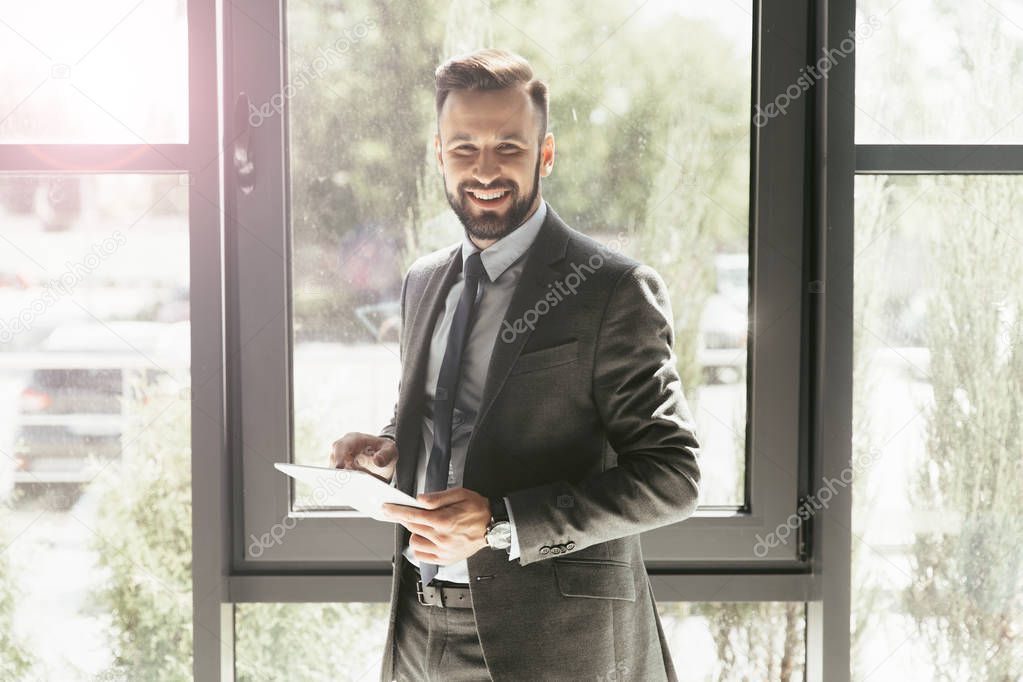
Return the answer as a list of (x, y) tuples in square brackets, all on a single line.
[(434, 643)]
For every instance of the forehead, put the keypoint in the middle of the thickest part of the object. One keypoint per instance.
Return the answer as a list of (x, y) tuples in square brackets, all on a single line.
[(484, 113)]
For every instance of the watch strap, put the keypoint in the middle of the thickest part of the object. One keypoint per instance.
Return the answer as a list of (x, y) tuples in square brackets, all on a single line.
[(498, 510)]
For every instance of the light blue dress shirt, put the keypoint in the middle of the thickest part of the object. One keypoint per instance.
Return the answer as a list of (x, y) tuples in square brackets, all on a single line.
[(503, 260)]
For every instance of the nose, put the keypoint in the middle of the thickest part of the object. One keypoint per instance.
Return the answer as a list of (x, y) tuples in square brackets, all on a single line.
[(487, 169)]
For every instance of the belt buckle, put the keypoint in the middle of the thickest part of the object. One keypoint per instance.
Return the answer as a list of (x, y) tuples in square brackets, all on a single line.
[(419, 593)]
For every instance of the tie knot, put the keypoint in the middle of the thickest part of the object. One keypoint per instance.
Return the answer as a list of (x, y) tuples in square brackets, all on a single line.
[(474, 269)]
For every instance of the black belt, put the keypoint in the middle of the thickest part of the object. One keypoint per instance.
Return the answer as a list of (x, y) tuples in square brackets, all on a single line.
[(440, 593)]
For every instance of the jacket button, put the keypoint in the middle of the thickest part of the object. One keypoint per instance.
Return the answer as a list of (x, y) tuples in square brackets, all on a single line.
[(556, 549), (545, 549), (570, 546)]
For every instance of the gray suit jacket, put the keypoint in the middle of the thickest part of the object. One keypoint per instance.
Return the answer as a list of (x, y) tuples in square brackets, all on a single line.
[(584, 425)]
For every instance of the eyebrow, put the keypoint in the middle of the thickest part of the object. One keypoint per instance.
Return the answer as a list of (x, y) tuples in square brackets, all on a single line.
[(465, 137)]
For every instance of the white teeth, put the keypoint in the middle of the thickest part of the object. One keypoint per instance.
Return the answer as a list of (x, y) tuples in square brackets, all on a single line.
[(486, 196)]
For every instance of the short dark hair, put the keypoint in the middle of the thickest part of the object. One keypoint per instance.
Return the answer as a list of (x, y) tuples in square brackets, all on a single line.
[(491, 69)]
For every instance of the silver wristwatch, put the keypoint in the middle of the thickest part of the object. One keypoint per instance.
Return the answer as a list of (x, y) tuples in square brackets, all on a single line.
[(499, 529)]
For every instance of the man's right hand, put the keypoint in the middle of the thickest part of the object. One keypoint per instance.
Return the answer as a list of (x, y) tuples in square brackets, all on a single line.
[(373, 454)]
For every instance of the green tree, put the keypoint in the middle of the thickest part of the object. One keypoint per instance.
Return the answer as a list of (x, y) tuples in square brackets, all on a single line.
[(145, 545), (967, 590), (309, 642), (144, 542), (15, 661)]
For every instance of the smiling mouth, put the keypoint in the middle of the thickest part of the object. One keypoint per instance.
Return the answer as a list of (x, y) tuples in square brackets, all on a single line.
[(489, 199)]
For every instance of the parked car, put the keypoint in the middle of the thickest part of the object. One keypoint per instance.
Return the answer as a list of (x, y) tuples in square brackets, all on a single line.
[(724, 323), (74, 407)]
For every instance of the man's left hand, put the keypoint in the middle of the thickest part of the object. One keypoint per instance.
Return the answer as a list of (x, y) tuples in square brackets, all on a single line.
[(453, 527)]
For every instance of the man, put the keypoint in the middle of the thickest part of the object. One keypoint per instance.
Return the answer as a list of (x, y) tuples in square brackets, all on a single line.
[(540, 417)]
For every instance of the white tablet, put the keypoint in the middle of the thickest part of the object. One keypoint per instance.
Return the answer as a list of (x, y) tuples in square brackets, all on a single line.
[(348, 488)]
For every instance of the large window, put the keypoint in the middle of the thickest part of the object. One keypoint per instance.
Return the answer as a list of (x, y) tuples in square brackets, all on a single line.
[(95, 479), (938, 368), (202, 247), (108, 173), (938, 380), (972, 49), (654, 157), (658, 172), (114, 71), (728, 642)]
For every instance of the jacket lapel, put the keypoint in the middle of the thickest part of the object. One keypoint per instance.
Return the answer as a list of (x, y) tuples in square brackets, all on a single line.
[(410, 407), (538, 272)]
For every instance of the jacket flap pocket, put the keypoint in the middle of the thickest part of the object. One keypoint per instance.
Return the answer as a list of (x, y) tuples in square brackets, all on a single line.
[(595, 578), (547, 357)]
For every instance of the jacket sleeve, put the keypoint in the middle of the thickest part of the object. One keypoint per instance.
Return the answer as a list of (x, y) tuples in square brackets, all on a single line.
[(390, 431), (638, 394)]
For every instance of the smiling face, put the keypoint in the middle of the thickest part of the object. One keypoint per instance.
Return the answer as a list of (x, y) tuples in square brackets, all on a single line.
[(489, 152)]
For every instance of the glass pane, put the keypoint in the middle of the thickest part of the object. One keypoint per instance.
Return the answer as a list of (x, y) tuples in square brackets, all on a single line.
[(709, 642), (652, 156), (735, 641), (938, 71), (113, 71), (937, 569), (286, 641), (95, 528)]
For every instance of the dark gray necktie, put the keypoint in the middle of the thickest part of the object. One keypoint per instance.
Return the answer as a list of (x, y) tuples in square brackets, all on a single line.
[(447, 388)]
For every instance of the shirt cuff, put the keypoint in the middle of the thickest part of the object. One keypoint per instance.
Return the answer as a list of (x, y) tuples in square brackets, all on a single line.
[(514, 549)]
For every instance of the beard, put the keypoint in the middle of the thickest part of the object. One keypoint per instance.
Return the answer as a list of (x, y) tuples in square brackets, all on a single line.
[(491, 224)]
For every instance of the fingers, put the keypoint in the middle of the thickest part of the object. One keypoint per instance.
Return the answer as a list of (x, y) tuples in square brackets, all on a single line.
[(385, 453), (360, 448), (345, 450), (442, 498), (400, 512), (426, 550), (431, 522), (381, 459), (338, 453), (422, 531)]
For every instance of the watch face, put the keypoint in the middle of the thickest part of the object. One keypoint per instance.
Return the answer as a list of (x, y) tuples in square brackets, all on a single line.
[(499, 535)]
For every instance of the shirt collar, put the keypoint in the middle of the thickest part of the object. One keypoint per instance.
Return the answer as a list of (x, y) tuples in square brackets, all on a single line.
[(501, 254)]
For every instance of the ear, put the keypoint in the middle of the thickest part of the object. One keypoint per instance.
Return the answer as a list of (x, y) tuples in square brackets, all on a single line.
[(547, 155), (436, 149)]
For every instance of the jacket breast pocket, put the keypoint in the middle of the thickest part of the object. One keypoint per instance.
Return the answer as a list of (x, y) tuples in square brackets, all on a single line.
[(544, 358), (595, 578)]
